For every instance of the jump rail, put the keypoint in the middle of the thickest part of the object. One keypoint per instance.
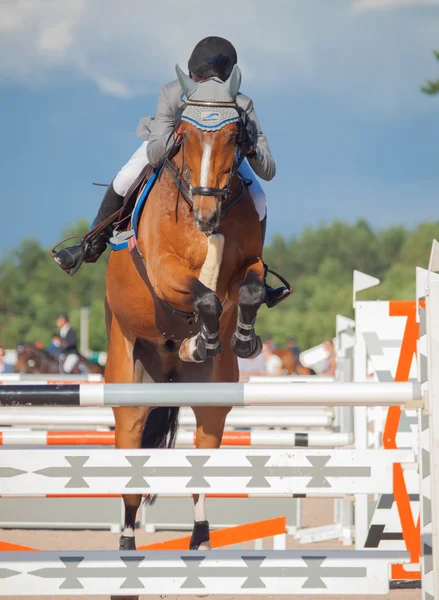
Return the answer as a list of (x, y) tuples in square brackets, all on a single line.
[(212, 394), (227, 471), (288, 439), (61, 417), (289, 572)]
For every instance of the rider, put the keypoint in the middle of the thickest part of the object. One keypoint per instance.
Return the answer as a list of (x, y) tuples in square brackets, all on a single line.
[(211, 57), (69, 342)]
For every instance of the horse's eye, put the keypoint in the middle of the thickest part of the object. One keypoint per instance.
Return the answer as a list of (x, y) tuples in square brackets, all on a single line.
[(232, 138)]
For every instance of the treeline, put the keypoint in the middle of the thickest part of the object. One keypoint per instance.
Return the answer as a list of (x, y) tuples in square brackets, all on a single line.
[(318, 262)]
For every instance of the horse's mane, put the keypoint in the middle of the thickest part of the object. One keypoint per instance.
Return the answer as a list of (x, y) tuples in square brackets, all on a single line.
[(29, 346)]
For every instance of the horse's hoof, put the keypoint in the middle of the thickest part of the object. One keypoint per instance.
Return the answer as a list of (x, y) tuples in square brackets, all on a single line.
[(200, 539), (250, 349), (188, 350), (127, 542)]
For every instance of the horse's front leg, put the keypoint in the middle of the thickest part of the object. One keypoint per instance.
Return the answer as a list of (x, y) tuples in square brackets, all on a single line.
[(180, 288), (206, 344), (245, 342)]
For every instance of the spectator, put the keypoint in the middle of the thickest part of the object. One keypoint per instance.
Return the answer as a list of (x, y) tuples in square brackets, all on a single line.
[(273, 363), (251, 367), (4, 366), (332, 361), (292, 345), (55, 346), (69, 342)]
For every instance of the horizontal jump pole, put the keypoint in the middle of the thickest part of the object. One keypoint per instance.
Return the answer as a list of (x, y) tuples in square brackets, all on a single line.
[(224, 471), (264, 438), (212, 394), (41, 378), (187, 495), (219, 538), (229, 535), (48, 416), (225, 572)]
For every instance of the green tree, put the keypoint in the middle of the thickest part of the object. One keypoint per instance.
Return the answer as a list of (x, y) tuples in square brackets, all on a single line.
[(431, 87), (318, 262)]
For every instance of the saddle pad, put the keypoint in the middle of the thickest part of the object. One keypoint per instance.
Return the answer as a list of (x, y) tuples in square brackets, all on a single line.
[(119, 240)]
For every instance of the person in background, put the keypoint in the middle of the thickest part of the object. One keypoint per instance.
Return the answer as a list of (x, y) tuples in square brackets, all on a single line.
[(69, 342), (55, 346), (273, 363), (4, 366), (332, 361), (292, 345), (251, 367)]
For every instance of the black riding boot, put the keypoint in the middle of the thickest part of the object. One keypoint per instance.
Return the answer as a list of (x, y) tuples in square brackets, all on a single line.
[(70, 259), (273, 296)]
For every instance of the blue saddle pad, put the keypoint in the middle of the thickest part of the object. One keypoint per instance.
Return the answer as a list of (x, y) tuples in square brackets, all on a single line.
[(119, 241)]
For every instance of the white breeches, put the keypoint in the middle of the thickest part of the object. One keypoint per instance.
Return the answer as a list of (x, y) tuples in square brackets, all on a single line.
[(70, 362), (130, 171)]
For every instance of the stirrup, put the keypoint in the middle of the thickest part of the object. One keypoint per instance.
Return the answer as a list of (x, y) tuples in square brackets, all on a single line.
[(85, 248), (282, 292), (282, 279)]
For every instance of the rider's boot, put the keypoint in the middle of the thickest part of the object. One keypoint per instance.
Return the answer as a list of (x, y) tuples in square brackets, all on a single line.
[(273, 296), (70, 259)]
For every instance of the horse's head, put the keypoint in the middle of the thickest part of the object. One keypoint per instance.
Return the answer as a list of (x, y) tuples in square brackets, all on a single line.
[(31, 359), (27, 359), (213, 138)]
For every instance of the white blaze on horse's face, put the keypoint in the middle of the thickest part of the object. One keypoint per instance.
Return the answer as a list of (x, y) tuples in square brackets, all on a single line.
[(205, 164), (209, 158)]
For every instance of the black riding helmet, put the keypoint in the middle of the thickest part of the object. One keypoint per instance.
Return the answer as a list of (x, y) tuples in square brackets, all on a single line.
[(213, 57)]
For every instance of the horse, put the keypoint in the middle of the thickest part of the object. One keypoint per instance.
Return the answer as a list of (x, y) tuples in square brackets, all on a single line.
[(291, 363), (31, 359), (172, 299)]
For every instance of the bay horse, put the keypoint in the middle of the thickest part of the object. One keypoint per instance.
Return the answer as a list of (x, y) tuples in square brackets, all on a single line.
[(291, 364), (177, 320), (31, 359)]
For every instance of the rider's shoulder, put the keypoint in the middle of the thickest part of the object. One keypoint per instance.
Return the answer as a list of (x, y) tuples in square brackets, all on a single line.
[(173, 91), (244, 102)]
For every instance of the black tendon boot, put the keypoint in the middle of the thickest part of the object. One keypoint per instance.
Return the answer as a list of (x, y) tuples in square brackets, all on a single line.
[(70, 259), (273, 296)]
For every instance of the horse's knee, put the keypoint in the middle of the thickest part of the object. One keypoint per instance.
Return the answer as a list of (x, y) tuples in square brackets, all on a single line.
[(251, 293), (208, 305)]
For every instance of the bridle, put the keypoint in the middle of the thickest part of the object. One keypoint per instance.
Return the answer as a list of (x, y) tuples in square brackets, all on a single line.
[(181, 176)]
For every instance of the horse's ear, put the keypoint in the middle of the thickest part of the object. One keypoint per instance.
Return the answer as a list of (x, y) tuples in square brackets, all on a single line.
[(233, 83), (187, 85)]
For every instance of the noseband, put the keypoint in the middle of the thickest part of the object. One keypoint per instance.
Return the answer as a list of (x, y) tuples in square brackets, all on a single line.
[(181, 176)]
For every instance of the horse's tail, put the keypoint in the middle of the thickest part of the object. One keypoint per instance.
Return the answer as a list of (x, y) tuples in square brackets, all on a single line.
[(160, 431)]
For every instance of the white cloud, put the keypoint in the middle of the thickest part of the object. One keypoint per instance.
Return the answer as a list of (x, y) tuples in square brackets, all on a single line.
[(365, 5), (55, 40), (346, 51)]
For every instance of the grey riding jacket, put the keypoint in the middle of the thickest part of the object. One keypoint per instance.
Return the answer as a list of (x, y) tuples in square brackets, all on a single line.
[(158, 130)]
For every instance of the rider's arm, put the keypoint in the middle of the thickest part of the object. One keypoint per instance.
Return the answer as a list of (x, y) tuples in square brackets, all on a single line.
[(161, 127), (262, 162)]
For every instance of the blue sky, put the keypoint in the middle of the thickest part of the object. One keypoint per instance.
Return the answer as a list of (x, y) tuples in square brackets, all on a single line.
[(335, 85)]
